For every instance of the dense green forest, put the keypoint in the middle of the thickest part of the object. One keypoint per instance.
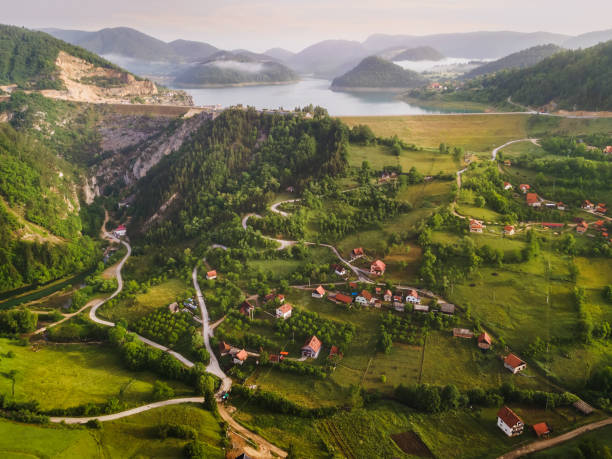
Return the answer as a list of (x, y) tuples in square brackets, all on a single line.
[(27, 58), (375, 72), (578, 80), (234, 164)]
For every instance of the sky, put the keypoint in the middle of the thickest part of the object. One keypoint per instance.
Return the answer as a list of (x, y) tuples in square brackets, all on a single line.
[(295, 24)]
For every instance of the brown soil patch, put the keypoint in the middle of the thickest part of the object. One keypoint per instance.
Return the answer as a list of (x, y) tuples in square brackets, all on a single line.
[(410, 443)]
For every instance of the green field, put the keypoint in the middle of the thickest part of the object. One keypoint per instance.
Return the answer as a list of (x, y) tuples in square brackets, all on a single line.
[(63, 376)]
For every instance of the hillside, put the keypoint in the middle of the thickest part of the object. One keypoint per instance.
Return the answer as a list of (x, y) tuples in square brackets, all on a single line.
[(421, 53), (522, 59), (376, 73), (224, 69), (589, 39), (573, 80), (192, 50), (329, 58), (280, 54)]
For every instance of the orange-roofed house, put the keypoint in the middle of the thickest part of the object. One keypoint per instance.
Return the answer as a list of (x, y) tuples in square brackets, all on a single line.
[(533, 200), (342, 298), (507, 186), (561, 206), (284, 311), (365, 298), (508, 230), (311, 348), (514, 364), (541, 429), (524, 187), (509, 422), (588, 205), (247, 309), (240, 357), (378, 268), (358, 252), (484, 341), (608, 149), (601, 208), (120, 231), (388, 296), (413, 296), (582, 227), (318, 292), (476, 226), (210, 275)]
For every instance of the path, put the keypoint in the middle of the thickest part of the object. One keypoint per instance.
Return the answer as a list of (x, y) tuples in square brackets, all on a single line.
[(126, 413), (282, 242), (496, 150), (544, 444)]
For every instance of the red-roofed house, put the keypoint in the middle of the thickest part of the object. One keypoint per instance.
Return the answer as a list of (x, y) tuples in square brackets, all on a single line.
[(284, 311), (560, 206), (311, 348), (210, 275), (484, 341), (514, 364), (608, 150), (507, 186), (524, 187), (120, 231), (508, 230), (582, 227), (541, 429), (342, 298), (224, 348), (335, 352), (413, 296), (318, 292), (398, 303), (358, 252), (476, 226), (339, 270), (588, 205), (509, 422), (388, 296), (281, 298), (378, 268), (365, 298), (378, 290), (247, 309), (240, 357), (533, 200), (601, 208), (353, 285)]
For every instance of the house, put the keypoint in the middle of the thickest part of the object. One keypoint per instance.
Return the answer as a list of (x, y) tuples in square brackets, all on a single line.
[(514, 364), (335, 352), (509, 422), (378, 268), (447, 308), (358, 252), (353, 286), (484, 341), (561, 206), (339, 270), (224, 348), (120, 231), (582, 227), (508, 230), (421, 307), (541, 429), (507, 162), (601, 208), (247, 309), (318, 292), (342, 298), (388, 296), (284, 311), (413, 296), (462, 333), (210, 275), (552, 225), (311, 348), (608, 150), (378, 290), (588, 205), (533, 200), (507, 186), (524, 187), (377, 303), (365, 298), (476, 226), (275, 358), (281, 298), (240, 357)]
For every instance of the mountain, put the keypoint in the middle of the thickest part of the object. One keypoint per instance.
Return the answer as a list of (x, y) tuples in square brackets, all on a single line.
[(376, 73), (328, 58), (472, 45), (225, 68), (580, 80), (522, 59), (280, 54), (193, 50), (588, 39), (421, 53)]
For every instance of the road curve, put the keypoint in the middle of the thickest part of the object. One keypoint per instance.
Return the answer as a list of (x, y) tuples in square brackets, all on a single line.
[(282, 242), (496, 150), (126, 413)]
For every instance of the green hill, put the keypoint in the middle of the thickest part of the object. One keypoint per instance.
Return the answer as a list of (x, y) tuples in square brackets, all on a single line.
[(376, 73), (421, 53), (522, 59), (225, 68), (580, 80), (27, 58)]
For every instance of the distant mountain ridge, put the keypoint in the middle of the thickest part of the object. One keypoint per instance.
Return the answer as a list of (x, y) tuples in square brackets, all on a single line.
[(376, 73), (421, 53)]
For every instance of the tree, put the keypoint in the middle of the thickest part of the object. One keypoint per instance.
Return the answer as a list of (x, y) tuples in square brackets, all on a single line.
[(479, 201), (162, 391), (12, 376)]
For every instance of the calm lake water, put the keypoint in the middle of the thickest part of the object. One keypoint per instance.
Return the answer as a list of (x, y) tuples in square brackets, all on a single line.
[(305, 92)]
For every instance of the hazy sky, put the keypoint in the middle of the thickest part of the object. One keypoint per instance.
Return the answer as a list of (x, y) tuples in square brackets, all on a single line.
[(294, 24)]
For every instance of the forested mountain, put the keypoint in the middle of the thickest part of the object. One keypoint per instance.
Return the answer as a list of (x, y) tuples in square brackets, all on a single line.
[(421, 53), (233, 165), (226, 68), (328, 58), (376, 73), (587, 40), (522, 59), (280, 54), (579, 80), (27, 58), (192, 50)]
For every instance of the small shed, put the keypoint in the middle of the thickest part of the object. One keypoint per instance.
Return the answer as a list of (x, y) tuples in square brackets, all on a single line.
[(462, 333), (541, 429), (447, 308), (583, 407)]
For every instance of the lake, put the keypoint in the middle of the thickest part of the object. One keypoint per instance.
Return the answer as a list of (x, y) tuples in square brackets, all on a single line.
[(308, 91)]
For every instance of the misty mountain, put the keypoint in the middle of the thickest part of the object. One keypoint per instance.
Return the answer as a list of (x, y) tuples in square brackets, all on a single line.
[(472, 45), (588, 39), (376, 73), (522, 59), (280, 54), (421, 53), (328, 58), (192, 49)]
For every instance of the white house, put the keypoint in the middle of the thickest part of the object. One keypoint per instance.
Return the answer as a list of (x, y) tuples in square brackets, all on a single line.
[(312, 347), (509, 422), (413, 297), (514, 364), (318, 292), (339, 270), (508, 230), (120, 231), (284, 311), (476, 226), (210, 275), (507, 186), (388, 296)]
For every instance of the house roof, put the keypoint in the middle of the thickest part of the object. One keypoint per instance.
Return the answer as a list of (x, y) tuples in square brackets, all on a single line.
[(475, 224), (320, 290), (223, 346), (285, 308), (313, 343), (353, 284), (508, 228), (339, 268), (367, 295), (343, 298), (413, 293), (241, 355), (484, 338), (531, 198), (120, 227), (587, 203), (211, 273), (513, 361), (388, 292), (608, 149), (378, 265), (334, 351), (507, 183), (524, 186), (541, 428), (358, 251), (509, 417)]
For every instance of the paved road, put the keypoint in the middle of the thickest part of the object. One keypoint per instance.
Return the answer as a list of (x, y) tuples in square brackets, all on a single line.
[(133, 411), (496, 150), (282, 242), (274, 207), (544, 444)]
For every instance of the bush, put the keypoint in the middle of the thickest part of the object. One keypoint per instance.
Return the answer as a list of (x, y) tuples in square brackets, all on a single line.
[(162, 391), (93, 424), (176, 431), (195, 450)]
